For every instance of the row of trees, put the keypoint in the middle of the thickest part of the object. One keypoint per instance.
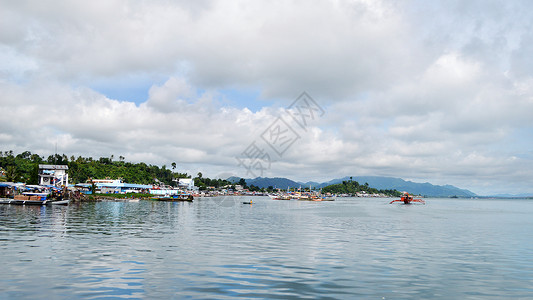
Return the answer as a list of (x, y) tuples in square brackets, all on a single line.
[(353, 187), (253, 188), (203, 182), (21, 167), (24, 167)]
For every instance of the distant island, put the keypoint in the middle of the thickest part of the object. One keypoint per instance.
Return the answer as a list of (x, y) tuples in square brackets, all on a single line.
[(351, 187), (377, 182)]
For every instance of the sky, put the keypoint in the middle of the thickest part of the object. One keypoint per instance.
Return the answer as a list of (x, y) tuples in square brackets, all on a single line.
[(428, 91)]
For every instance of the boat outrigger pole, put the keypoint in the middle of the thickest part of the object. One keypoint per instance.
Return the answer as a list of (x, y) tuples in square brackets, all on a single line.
[(407, 199)]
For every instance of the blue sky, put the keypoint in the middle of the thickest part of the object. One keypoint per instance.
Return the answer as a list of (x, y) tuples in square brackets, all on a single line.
[(126, 89), (135, 88), (438, 91)]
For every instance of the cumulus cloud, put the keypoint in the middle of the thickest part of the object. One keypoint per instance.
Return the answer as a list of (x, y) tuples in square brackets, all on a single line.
[(438, 91), (86, 122)]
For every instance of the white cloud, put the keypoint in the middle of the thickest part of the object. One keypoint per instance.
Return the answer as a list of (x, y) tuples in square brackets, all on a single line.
[(423, 90)]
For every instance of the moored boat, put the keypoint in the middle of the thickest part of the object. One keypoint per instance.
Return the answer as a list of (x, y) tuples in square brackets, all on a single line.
[(59, 202), (36, 195), (315, 197), (27, 199), (23, 201), (280, 197), (180, 197)]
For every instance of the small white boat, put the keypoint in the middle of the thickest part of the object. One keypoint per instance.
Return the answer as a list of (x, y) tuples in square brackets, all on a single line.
[(279, 197), (60, 202)]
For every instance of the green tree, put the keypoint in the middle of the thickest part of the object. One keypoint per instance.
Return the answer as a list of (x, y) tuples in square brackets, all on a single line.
[(12, 174), (34, 176), (24, 155), (242, 182), (36, 159)]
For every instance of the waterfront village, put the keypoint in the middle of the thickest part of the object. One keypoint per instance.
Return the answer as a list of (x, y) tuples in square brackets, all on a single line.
[(54, 187)]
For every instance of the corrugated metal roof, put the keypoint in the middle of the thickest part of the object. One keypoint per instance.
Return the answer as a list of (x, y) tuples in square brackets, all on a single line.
[(139, 186), (54, 167), (124, 185)]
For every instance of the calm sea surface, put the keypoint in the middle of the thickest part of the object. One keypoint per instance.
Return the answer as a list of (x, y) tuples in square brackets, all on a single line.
[(219, 248)]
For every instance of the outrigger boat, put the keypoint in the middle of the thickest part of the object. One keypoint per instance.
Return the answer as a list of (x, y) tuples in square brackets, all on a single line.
[(30, 201), (59, 202), (302, 196), (311, 197), (280, 197), (34, 198), (180, 197), (25, 201), (407, 199)]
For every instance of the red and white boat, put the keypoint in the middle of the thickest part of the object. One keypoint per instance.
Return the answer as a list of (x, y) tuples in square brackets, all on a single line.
[(408, 199)]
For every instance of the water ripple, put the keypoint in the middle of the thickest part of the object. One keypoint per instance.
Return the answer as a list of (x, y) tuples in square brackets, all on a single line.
[(219, 248)]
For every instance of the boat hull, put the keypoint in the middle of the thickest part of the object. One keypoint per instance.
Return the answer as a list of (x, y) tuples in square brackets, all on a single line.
[(172, 199), (60, 202), (34, 202), (22, 202)]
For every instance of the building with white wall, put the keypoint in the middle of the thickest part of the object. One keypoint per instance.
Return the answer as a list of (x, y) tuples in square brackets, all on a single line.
[(186, 183), (55, 175), (117, 186)]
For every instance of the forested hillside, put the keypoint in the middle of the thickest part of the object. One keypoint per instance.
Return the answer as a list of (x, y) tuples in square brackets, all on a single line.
[(353, 187), (24, 167)]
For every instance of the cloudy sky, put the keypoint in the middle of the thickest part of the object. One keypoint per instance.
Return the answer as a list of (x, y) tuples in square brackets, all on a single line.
[(438, 91)]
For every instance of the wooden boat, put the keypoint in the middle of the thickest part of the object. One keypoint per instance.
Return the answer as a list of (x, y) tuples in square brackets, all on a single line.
[(315, 198), (328, 198), (280, 197), (22, 202), (408, 199), (59, 202), (307, 198), (177, 198), (34, 202)]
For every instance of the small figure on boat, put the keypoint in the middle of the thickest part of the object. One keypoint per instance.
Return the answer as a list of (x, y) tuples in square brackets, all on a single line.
[(407, 199)]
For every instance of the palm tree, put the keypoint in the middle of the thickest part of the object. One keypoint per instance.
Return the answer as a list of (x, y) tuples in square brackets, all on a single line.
[(12, 174)]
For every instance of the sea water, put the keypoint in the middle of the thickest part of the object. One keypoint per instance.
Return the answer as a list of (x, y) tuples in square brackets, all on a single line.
[(220, 248)]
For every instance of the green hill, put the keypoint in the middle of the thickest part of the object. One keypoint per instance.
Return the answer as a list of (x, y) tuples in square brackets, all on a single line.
[(24, 167), (377, 182)]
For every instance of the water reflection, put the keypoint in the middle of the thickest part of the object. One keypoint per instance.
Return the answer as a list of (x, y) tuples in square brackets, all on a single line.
[(219, 248)]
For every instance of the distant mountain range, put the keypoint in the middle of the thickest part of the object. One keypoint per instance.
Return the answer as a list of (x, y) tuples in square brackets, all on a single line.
[(378, 182), (526, 195)]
